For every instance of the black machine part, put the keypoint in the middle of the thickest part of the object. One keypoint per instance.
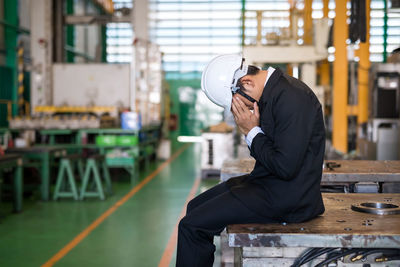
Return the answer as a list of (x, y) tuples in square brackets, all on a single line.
[(386, 97)]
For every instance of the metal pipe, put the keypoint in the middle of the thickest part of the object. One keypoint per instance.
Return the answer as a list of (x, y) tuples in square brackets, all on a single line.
[(58, 11)]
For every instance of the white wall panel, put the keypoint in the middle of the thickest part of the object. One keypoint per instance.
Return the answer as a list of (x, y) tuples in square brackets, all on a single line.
[(92, 84)]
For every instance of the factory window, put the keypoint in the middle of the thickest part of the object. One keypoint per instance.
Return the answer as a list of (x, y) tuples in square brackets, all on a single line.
[(377, 31), (119, 37), (190, 33), (280, 14)]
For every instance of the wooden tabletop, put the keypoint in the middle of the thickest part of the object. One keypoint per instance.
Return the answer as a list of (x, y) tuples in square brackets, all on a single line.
[(339, 226), (363, 171), (349, 170)]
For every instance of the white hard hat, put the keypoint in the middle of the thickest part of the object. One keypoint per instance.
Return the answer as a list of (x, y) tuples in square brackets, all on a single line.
[(220, 78)]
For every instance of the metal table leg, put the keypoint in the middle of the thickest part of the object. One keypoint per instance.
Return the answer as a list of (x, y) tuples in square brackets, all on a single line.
[(18, 188), (45, 173)]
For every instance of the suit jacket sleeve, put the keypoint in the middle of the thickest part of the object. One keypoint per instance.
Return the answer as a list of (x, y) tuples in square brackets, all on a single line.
[(282, 151)]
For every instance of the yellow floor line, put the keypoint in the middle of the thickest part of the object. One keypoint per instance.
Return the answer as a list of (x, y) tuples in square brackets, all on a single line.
[(65, 250), (170, 249)]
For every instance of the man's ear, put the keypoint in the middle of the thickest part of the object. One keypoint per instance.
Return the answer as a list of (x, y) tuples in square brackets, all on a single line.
[(246, 80)]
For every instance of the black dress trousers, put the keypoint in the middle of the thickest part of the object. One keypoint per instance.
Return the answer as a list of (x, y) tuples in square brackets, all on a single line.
[(206, 216)]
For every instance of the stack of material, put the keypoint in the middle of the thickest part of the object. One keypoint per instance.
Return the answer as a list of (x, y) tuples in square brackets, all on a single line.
[(217, 146)]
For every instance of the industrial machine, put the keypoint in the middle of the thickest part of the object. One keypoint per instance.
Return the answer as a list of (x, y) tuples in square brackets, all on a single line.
[(216, 148), (379, 137), (132, 87)]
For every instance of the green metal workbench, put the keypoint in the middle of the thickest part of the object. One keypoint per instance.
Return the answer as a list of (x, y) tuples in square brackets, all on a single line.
[(53, 133), (128, 163), (40, 157), (14, 162), (84, 139), (149, 137)]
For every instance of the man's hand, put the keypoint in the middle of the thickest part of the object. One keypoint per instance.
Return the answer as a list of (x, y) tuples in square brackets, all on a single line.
[(245, 119)]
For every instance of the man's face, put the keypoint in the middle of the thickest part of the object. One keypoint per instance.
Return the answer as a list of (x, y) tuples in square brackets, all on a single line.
[(247, 85)]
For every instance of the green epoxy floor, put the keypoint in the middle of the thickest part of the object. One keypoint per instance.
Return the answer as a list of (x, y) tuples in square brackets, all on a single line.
[(136, 234)]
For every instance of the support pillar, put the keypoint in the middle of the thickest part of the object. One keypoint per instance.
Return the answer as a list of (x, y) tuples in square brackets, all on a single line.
[(141, 35), (308, 74), (308, 24), (141, 19), (363, 71), (10, 40), (41, 51), (70, 32), (58, 34), (340, 78), (325, 68)]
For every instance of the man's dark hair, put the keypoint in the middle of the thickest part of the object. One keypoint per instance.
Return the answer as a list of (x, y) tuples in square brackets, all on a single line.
[(252, 70), (396, 51)]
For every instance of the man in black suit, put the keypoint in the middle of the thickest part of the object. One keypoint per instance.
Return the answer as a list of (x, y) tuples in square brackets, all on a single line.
[(282, 121)]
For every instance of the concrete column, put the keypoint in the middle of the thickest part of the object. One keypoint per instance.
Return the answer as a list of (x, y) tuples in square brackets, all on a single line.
[(41, 53), (141, 19), (308, 74), (140, 23)]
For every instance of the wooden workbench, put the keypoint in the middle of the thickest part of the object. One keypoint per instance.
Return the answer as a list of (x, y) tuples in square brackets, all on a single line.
[(349, 170), (339, 227), (363, 171)]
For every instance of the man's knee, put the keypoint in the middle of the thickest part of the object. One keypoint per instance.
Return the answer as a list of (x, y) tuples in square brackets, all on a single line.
[(190, 206), (183, 224), (189, 221)]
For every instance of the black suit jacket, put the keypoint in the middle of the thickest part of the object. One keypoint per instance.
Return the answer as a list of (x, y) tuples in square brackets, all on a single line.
[(285, 182)]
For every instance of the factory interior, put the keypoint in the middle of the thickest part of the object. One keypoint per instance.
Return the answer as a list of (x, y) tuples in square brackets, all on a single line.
[(107, 132)]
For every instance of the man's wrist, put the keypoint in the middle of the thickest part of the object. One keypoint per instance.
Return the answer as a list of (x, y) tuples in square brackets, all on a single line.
[(251, 129), (252, 133)]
